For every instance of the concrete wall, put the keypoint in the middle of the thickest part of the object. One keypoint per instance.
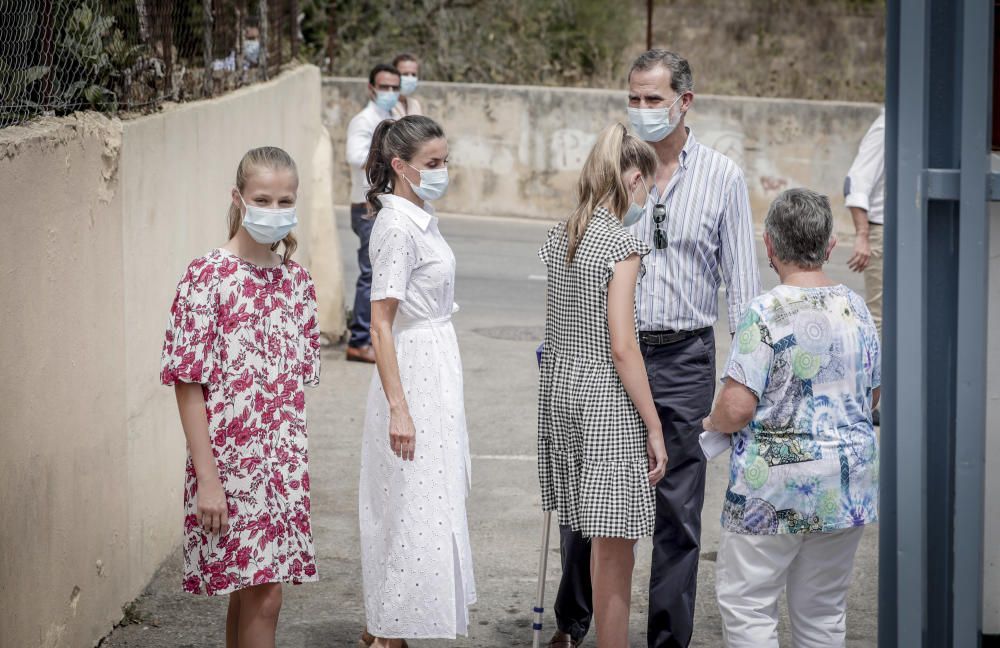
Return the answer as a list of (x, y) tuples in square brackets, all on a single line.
[(104, 216), (518, 150)]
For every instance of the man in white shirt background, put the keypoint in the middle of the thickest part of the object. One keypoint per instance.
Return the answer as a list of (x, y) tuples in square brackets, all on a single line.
[(864, 195), (383, 95), (409, 71)]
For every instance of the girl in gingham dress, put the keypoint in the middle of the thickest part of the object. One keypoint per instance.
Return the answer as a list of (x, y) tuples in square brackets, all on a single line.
[(600, 444)]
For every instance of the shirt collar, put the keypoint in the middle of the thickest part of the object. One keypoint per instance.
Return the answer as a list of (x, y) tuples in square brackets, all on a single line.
[(422, 217), (382, 114), (689, 148)]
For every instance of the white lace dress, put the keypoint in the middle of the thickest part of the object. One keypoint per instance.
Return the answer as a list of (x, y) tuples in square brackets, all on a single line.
[(415, 551)]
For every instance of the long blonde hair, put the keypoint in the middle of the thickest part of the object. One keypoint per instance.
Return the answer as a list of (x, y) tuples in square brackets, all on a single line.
[(601, 185), (272, 158)]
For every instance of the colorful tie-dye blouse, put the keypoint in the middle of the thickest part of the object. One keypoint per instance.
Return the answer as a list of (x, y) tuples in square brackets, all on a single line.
[(808, 461)]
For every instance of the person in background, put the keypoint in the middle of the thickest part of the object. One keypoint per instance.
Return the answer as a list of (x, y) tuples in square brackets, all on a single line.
[(409, 71), (383, 94), (864, 195), (700, 229), (799, 388), (251, 43)]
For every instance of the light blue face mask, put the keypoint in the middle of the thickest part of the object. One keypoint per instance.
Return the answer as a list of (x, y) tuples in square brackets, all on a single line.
[(407, 84), (433, 182), (386, 99), (653, 124), (635, 212)]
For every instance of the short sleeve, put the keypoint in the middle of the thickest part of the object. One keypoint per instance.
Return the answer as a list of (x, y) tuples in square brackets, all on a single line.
[(189, 348), (310, 334), (625, 246), (548, 248), (394, 256), (751, 356)]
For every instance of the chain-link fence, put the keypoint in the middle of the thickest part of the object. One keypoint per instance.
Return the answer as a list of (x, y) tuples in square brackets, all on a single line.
[(58, 56)]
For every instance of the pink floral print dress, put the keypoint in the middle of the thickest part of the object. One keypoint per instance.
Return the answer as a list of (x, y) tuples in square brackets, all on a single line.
[(249, 335)]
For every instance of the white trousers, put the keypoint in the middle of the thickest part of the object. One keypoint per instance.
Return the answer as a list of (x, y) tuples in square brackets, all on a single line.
[(752, 571)]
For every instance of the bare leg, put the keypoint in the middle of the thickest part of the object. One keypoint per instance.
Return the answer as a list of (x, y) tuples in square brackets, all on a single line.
[(611, 563), (387, 643), (259, 609), (233, 621)]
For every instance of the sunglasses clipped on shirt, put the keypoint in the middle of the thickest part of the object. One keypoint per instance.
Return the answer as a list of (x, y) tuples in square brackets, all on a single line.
[(659, 236)]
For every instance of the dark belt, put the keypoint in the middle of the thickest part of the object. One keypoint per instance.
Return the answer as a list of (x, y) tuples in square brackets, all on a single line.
[(660, 338)]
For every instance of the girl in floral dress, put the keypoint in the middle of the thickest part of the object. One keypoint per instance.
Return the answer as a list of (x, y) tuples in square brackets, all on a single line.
[(241, 342)]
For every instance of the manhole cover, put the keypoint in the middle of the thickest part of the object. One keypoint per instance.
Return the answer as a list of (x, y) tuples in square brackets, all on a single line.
[(514, 333)]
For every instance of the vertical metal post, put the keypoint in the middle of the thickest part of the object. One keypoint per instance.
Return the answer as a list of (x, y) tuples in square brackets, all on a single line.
[(293, 9), (973, 281), (888, 519), (264, 38), (910, 300), (208, 25), (649, 24)]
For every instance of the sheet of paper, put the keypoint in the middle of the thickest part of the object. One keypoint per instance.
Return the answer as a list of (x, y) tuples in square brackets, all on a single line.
[(714, 443)]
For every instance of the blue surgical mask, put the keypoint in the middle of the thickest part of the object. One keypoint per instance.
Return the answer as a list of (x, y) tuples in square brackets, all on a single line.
[(407, 84), (267, 226), (653, 124), (386, 99), (635, 211), (433, 182)]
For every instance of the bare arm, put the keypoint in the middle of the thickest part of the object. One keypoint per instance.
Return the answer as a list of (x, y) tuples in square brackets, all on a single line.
[(734, 409), (402, 433), (876, 395), (862, 247), (211, 498), (628, 360)]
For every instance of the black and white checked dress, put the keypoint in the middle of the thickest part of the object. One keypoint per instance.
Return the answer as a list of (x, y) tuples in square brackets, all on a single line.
[(592, 462)]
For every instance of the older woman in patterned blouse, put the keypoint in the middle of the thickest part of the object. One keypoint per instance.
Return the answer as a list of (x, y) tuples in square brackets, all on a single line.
[(800, 385)]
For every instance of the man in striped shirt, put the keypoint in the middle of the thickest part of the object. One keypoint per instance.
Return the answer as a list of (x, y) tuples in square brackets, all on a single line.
[(700, 228)]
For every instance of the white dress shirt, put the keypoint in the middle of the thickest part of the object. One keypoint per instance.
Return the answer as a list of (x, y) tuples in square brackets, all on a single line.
[(359, 141), (865, 184), (710, 239)]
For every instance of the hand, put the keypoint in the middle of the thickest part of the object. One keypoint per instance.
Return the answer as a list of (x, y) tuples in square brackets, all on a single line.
[(657, 453), (213, 511), (707, 425), (862, 253), (402, 434)]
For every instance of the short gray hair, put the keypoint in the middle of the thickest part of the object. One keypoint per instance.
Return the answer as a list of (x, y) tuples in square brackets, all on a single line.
[(799, 224), (681, 80)]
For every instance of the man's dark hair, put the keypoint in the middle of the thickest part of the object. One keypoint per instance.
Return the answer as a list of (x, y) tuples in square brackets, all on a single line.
[(681, 80), (405, 56), (381, 67)]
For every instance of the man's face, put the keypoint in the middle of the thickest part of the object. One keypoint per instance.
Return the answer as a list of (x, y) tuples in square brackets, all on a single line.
[(385, 82), (651, 89), (411, 68)]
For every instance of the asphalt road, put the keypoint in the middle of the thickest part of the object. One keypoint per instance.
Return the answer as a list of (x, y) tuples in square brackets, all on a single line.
[(501, 290)]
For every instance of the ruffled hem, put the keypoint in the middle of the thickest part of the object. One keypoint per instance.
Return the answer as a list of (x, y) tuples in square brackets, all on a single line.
[(235, 587), (599, 498)]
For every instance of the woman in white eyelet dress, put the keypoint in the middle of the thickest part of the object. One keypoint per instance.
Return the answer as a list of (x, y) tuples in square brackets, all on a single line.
[(416, 555)]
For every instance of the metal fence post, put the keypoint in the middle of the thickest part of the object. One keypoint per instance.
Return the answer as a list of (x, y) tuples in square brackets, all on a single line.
[(208, 24), (264, 38)]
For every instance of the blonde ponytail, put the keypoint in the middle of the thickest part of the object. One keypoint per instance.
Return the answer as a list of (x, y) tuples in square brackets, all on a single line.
[(601, 185)]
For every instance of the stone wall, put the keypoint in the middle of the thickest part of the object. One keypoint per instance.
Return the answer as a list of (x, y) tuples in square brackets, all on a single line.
[(518, 150), (103, 218)]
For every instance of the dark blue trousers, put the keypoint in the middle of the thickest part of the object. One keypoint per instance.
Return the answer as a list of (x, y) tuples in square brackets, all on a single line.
[(361, 320)]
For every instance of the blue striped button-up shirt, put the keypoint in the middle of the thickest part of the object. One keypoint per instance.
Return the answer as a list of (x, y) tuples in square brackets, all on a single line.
[(709, 229)]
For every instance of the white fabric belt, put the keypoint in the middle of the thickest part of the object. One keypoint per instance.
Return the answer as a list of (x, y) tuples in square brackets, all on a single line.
[(408, 323)]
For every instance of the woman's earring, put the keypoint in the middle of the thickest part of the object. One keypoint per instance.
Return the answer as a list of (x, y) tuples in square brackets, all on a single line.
[(770, 262)]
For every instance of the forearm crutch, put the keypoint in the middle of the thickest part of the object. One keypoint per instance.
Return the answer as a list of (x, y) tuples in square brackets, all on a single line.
[(543, 561)]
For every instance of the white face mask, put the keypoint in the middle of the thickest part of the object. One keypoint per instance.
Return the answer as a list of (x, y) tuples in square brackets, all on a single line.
[(433, 182), (407, 84), (266, 225), (635, 211), (386, 99), (653, 124)]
